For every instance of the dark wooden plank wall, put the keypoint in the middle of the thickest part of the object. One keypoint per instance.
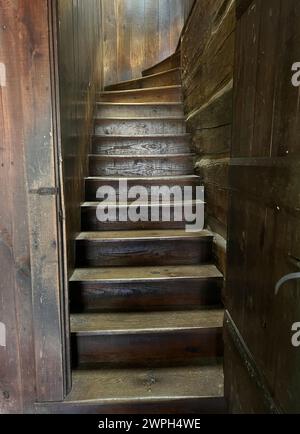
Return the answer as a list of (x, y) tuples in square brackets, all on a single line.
[(80, 70), (32, 362), (139, 34), (264, 228), (34, 354), (207, 61)]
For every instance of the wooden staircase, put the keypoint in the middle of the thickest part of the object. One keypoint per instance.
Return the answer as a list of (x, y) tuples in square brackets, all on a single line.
[(145, 297)]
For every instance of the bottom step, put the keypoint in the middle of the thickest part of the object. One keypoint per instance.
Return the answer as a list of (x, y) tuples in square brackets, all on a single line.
[(188, 390)]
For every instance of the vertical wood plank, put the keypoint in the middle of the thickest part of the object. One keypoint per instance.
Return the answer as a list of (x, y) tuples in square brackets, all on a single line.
[(124, 40), (139, 34), (151, 32), (110, 47), (164, 26)]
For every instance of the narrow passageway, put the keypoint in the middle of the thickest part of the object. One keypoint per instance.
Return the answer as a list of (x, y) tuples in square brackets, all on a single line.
[(146, 298), (149, 233)]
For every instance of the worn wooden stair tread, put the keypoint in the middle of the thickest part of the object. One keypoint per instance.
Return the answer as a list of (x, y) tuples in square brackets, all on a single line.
[(136, 322), (152, 204), (146, 178), (173, 61), (141, 156), (144, 235), (137, 274), (122, 385), (136, 118), (139, 104), (142, 79), (141, 136), (146, 89)]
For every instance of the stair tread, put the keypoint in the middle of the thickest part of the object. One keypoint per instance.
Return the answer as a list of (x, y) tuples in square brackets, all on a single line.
[(146, 321), (161, 63), (142, 178), (139, 104), (136, 118), (146, 156), (146, 89), (146, 204), (141, 136), (147, 384), (142, 235), (135, 274), (158, 74)]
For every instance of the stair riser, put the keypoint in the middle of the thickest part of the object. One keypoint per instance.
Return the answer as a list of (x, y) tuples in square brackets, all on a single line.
[(154, 95), (140, 146), (143, 252), (139, 111), (145, 295), (169, 78), (92, 185), (139, 127), (170, 63), (147, 348), (91, 223), (129, 166)]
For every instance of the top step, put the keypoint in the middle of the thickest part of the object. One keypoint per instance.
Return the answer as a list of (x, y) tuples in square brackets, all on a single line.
[(174, 61), (152, 94), (166, 78)]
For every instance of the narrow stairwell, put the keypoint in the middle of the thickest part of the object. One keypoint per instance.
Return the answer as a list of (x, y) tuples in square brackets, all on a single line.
[(145, 297)]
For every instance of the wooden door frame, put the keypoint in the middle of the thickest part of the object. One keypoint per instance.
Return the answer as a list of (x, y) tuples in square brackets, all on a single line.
[(48, 245)]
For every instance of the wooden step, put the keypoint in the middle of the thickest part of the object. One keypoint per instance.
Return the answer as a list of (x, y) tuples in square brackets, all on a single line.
[(144, 165), (140, 126), (145, 288), (170, 62), (141, 145), (170, 216), (154, 94), (105, 109), (143, 248), (165, 78), (146, 338), (92, 184), (174, 390)]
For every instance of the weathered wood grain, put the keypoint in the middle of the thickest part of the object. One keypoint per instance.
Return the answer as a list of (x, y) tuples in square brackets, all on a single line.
[(138, 110), (142, 248), (140, 127), (207, 71), (144, 392), (168, 78), (80, 75), (141, 145), (162, 94), (145, 288), (146, 165), (92, 184), (264, 240), (140, 339), (138, 34)]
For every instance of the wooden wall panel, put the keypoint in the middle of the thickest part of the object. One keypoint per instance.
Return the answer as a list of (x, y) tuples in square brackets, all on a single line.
[(264, 219), (80, 70), (35, 356), (207, 61), (32, 362), (138, 34)]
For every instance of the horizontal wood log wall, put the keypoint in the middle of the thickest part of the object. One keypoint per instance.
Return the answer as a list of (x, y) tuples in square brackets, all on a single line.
[(139, 34), (264, 225), (207, 61), (80, 74)]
